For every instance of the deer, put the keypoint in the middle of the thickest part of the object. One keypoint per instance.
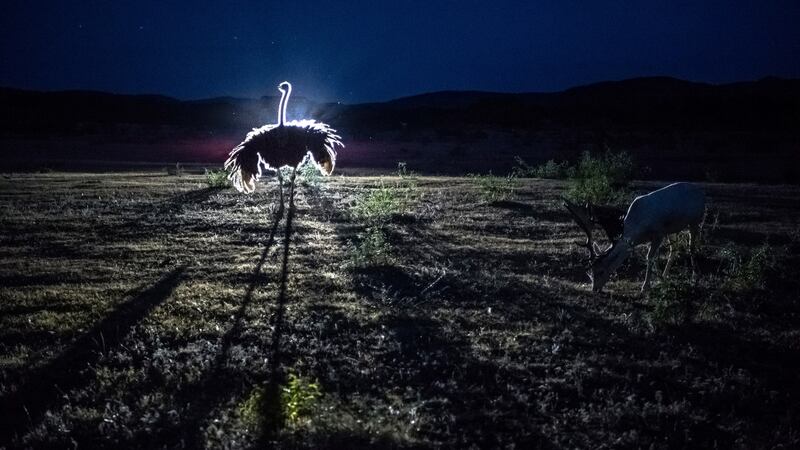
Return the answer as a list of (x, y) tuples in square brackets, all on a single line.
[(650, 219)]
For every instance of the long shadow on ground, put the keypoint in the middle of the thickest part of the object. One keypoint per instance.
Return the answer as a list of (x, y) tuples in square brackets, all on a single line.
[(219, 382), (272, 415), (160, 214), (41, 388)]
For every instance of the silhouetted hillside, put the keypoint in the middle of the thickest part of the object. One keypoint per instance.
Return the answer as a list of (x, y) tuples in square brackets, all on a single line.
[(661, 120)]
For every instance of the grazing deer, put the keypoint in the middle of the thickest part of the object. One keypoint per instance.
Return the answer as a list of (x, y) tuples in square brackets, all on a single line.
[(650, 218)]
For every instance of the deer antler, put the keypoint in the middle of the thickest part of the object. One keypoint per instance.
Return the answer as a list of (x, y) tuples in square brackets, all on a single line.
[(580, 215), (609, 218)]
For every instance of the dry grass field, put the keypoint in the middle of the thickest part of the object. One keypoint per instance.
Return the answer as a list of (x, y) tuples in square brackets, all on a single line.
[(143, 310)]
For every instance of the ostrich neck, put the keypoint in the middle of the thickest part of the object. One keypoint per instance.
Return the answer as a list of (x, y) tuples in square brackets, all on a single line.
[(282, 106)]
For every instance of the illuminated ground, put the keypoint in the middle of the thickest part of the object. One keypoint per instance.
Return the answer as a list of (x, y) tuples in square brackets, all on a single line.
[(146, 310)]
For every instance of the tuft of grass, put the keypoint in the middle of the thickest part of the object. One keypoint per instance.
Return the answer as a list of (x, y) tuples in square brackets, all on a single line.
[(377, 206), (492, 188), (671, 302), (550, 169), (403, 172), (371, 250), (748, 273), (217, 178), (299, 398), (251, 411), (176, 171), (309, 175), (295, 402)]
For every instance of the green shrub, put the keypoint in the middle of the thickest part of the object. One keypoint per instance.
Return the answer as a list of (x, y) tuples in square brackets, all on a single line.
[(252, 409), (619, 167), (309, 175), (294, 401), (748, 273), (492, 188), (217, 178), (596, 189), (550, 169), (671, 302), (372, 250), (553, 170), (522, 169), (298, 398), (403, 172), (378, 205), (598, 179)]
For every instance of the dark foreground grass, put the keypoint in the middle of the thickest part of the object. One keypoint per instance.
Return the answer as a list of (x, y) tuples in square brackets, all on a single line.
[(149, 311)]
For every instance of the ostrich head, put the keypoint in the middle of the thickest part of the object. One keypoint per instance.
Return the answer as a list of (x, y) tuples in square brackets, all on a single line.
[(286, 91)]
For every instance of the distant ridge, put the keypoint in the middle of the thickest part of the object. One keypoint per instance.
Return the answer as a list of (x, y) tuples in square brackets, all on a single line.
[(457, 98), (639, 85), (746, 130), (646, 103)]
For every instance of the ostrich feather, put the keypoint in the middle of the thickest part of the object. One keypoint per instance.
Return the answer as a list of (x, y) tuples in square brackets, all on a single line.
[(273, 146)]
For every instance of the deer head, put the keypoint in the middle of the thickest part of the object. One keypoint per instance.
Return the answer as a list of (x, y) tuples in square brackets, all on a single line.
[(602, 262), (581, 216)]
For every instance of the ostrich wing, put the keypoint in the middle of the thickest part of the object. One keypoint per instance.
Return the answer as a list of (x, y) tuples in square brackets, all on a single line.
[(244, 161), (316, 138)]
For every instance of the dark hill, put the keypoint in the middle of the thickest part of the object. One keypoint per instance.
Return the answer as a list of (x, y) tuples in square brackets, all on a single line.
[(658, 119)]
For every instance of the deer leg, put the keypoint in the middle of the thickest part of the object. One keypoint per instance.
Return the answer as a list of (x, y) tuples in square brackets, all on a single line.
[(694, 234), (651, 259), (669, 259)]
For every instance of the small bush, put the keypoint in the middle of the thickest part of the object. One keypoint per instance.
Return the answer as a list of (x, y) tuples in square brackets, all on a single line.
[(294, 401), (553, 170), (403, 172), (309, 175), (748, 273), (671, 302), (298, 398), (492, 188), (377, 206), (596, 189), (217, 178), (598, 180), (372, 250), (522, 169), (176, 171), (619, 167), (550, 169), (252, 409)]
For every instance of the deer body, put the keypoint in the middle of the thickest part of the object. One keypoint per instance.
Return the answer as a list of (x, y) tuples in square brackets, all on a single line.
[(668, 210), (650, 218)]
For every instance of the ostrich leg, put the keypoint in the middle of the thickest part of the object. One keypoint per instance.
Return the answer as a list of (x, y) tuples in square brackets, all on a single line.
[(280, 189), (291, 187)]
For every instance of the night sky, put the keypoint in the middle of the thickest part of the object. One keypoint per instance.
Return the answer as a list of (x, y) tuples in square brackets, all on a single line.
[(372, 50)]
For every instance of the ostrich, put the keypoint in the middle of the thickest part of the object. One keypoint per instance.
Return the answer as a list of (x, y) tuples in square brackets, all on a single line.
[(274, 146)]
